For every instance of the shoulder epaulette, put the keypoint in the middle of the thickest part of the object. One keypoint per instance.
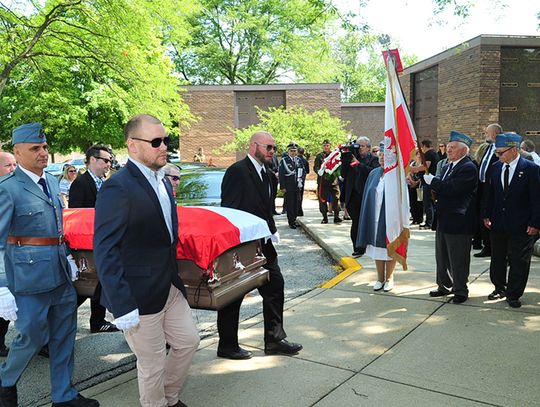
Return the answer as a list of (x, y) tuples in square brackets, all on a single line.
[(6, 177)]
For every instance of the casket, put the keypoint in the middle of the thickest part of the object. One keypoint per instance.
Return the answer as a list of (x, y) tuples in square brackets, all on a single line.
[(219, 253)]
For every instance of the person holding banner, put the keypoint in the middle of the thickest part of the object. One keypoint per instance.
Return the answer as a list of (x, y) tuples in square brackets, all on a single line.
[(327, 185), (455, 221)]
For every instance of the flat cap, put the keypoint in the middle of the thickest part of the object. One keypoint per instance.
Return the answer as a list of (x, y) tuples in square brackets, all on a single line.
[(508, 140), (463, 138), (28, 133)]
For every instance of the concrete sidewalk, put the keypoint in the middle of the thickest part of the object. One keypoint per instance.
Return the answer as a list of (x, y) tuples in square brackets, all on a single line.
[(363, 348)]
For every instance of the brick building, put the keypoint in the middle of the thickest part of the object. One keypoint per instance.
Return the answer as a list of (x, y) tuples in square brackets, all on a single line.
[(364, 119), (484, 80)]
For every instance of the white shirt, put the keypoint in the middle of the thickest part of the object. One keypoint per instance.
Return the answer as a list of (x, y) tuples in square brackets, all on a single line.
[(258, 166), (511, 170)]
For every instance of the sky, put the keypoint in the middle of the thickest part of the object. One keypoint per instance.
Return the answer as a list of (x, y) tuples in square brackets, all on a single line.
[(419, 32)]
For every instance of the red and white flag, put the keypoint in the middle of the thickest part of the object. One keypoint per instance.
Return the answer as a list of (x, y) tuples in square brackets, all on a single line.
[(399, 145)]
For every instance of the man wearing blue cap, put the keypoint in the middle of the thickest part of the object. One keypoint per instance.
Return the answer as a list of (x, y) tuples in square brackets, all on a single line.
[(36, 272), (512, 215), (455, 190)]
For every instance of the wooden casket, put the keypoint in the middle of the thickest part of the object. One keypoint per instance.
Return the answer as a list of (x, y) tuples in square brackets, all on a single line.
[(219, 253)]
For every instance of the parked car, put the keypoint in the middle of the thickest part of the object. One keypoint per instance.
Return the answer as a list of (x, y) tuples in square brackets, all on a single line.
[(55, 169), (78, 163), (200, 186)]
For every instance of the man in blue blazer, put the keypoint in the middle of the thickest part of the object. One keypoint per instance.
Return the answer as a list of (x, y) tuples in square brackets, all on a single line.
[(512, 213), (455, 191), (135, 238), (36, 272)]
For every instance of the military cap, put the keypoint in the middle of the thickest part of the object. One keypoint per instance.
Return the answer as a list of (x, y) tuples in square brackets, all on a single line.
[(28, 133), (325, 141), (292, 146), (381, 145), (463, 138), (508, 140)]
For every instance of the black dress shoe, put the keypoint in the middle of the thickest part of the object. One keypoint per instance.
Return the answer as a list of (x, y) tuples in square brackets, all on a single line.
[(458, 299), (324, 221), (44, 351), (438, 293), (78, 401), (338, 220), (4, 350), (292, 226), (282, 347), (104, 326), (483, 253), (8, 396), (514, 303), (497, 295), (239, 354)]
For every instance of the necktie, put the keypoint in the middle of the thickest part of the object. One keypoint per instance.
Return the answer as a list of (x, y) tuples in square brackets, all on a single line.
[(485, 161), (448, 171), (44, 187), (506, 177), (265, 180)]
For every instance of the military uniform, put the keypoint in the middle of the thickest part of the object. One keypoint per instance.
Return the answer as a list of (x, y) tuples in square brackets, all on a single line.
[(326, 187), (288, 180)]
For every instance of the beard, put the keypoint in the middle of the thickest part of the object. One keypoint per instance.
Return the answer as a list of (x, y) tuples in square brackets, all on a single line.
[(261, 157)]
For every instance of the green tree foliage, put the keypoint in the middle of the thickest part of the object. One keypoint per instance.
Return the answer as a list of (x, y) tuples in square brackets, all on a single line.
[(295, 124), (83, 68), (257, 42)]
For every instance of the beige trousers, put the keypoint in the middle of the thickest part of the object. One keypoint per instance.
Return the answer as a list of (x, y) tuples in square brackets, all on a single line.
[(160, 375)]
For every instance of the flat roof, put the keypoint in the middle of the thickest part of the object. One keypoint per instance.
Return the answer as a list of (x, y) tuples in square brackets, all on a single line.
[(274, 86), (522, 41)]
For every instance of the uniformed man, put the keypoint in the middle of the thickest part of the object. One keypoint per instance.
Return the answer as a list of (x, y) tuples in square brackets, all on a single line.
[(288, 183), (36, 272), (512, 214), (327, 186)]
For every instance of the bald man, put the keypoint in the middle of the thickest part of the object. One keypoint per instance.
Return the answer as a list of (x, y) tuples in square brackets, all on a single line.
[(7, 163)]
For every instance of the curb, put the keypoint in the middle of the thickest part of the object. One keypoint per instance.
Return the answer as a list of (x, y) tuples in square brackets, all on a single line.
[(350, 266)]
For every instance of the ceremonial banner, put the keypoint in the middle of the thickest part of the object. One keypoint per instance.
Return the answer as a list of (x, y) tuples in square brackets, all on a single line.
[(399, 145)]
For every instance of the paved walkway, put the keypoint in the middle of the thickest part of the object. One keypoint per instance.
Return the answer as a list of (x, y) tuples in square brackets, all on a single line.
[(363, 348)]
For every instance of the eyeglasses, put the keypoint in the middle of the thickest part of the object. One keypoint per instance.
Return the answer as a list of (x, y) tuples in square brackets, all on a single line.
[(155, 142), (105, 160), (173, 177), (269, 147), (502, 152)]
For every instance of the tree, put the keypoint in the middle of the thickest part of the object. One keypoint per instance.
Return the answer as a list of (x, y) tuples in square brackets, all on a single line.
[(257, 42)]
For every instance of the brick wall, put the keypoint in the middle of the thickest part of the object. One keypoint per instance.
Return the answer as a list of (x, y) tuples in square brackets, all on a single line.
[(315, 99), (364, 119)]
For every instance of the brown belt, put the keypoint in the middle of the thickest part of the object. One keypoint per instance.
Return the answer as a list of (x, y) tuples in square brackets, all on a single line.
[(36, 241)]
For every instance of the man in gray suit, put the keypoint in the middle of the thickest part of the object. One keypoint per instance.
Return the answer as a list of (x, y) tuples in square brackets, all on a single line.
[(36, 273)]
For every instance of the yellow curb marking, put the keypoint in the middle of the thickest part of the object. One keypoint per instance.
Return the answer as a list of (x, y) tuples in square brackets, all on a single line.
[(350, 266)]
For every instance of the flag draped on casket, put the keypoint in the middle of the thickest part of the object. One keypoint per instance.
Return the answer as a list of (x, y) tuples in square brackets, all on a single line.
[(399, 144), (203, 233)]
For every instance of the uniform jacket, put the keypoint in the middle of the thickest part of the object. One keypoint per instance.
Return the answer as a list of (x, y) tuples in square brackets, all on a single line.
[(27, 211), (519, 208), (456, 197), (134, 256), (288, 173), (83, 192)]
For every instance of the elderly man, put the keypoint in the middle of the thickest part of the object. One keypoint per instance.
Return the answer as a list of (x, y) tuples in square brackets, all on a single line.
[(512, 214), (7, 163), (136, 233), (246, 186), (455, 218), (36, 274)]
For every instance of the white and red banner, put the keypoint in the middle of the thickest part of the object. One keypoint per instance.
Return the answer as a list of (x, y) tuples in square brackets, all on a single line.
[(399, 146), (331, 163), (204, 233)]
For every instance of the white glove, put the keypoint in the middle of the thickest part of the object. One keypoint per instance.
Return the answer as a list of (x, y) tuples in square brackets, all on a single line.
[(128, 322), (8, 306), (428, 178), (74, 268)]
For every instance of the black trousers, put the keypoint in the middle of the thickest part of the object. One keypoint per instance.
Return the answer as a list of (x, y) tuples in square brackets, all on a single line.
[(518, 250), (300, 197), (291, 203), (4, 324), (273, 300), (324, 189), (353, 208), (97, 311), (417, 207), (453, 256)]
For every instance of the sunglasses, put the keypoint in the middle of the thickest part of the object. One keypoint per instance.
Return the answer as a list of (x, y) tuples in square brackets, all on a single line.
[(72, 171), (502, 152), (155, 142), (105, 160), (173, 177), (269, 147)]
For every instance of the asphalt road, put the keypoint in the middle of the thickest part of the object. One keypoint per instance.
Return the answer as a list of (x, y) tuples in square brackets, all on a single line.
[(99, 357)]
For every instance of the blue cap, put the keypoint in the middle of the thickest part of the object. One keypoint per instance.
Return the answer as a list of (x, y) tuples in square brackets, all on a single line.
[(28, 133), (463, 138), (508, 140)]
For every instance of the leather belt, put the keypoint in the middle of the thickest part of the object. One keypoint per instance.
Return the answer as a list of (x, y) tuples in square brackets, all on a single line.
[(36, 241)]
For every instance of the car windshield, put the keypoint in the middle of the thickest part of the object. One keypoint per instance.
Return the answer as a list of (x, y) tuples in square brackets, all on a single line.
[(200, 187)]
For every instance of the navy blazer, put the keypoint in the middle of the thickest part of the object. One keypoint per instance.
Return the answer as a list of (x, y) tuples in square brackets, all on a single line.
[(135, 259), (520, 207), (455, 198)]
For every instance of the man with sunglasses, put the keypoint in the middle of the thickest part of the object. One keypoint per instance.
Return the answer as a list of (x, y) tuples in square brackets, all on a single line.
[(83, 194), (246, 186), (172, 171), (135, 239), (512, 215)]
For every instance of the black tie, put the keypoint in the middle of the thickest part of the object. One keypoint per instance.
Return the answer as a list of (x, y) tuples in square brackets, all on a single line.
[(44, 187), (265, 180), (506, 178), (448, 171)]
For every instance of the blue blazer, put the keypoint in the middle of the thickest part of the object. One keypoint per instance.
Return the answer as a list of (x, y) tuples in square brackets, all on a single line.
[(27, 211), (135, 259), (456, 198), (520, 207)]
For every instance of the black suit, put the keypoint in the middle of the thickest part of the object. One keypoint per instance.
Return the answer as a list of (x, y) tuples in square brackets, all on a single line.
[(483, 188), (243, 189), (83, 194)]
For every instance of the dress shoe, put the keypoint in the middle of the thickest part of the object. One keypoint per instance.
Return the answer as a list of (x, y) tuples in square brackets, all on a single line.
[(104, 326), (78, 401), (8, 396), (514, 303), (458, 299), (338, 220), (44, 352), (324, 221), (239, 354), (378, 286), (358, 253), (483, 253), (4, 350), (438, 293), (497, 295), (292, 226), (179, 404), (282, 347), (425, 226)]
